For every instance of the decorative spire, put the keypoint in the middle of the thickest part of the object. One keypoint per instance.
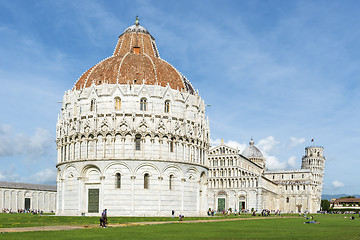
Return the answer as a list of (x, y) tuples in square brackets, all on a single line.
[(137, 21), (251, 143)]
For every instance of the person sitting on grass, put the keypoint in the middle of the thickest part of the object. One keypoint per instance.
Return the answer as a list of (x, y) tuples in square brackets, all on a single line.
[(314, 221)]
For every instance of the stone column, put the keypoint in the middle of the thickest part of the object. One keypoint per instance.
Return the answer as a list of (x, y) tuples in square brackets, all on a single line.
[(123, 146), (101, 193), (80, 195), (104, 141), (152, 147), (113, 138), (183, 180), (95, 147), (62, 184), (160, 147), (132, 194), (159, 194)]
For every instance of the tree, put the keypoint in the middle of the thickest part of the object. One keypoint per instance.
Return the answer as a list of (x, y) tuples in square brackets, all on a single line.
[(348, 197), (325, 205)]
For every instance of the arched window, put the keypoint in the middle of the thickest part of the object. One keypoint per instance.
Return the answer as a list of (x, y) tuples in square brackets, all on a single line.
[(92, 105), (171, 182), (172, 145), (143, 104), (137, 142), (118, 180), (287, 200), (167, 106), (146, 181), (117, 103)]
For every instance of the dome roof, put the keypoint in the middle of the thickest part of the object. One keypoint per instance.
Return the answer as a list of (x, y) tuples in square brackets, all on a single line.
[(251, 151), (135, 60)]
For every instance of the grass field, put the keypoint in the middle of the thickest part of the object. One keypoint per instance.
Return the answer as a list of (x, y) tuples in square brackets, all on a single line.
[(331, 227), (29, 220)]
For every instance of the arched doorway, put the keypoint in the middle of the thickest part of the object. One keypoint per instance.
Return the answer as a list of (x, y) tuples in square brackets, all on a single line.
[(221, 201)]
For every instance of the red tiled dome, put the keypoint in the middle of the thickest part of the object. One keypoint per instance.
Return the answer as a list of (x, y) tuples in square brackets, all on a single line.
[(135, 60)]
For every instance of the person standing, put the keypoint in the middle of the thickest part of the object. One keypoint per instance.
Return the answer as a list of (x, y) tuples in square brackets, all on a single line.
[(172, 213), (103, 218)]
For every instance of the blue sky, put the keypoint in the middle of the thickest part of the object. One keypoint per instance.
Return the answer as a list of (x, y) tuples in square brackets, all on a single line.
[(282, 72)]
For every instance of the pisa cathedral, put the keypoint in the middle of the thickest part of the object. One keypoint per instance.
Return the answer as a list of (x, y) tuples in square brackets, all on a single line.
[(241, 181), (132, 137)]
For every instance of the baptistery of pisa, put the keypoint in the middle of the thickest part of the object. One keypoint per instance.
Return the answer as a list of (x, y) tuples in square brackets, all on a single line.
[(132, 137)]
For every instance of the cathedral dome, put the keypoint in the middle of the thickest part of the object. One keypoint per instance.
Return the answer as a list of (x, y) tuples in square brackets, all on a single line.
[(135, 60), (251, 151)]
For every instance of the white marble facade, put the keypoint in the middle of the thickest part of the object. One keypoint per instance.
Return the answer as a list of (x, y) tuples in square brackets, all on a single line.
[(16, 196), (241, 181)]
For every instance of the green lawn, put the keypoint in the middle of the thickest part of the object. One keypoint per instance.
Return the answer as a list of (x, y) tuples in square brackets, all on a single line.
[(331, 227), (29, 220)]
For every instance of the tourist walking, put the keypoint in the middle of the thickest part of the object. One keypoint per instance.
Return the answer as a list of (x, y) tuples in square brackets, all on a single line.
[(103, 218)]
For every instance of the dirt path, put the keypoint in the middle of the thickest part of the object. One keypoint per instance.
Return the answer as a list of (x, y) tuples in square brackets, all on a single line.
[(69, 227)]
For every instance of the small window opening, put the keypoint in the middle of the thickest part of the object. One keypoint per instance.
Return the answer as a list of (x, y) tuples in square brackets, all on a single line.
[(143, 104), (287, 200), (92, 105), (118, 180), (171, 179), (137, 142), (172, 146), (167, 106), (146, 181), (136, 50), (117, 103)]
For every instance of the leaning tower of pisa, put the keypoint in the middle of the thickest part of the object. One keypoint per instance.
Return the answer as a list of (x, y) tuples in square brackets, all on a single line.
[(315, 161)]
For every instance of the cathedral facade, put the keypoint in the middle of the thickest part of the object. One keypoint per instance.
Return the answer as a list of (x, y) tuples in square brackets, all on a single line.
[(132, 137), (241, 181)]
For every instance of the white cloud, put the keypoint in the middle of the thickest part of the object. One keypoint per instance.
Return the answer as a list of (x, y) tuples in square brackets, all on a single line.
[(273, 163), (337, 184), (12, 144), (292, 162), (267, 145), (8, 175), (46, 176), (296, 141), (230, 143)]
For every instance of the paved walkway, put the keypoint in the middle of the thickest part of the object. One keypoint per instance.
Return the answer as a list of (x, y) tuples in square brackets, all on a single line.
[(62, 228)]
